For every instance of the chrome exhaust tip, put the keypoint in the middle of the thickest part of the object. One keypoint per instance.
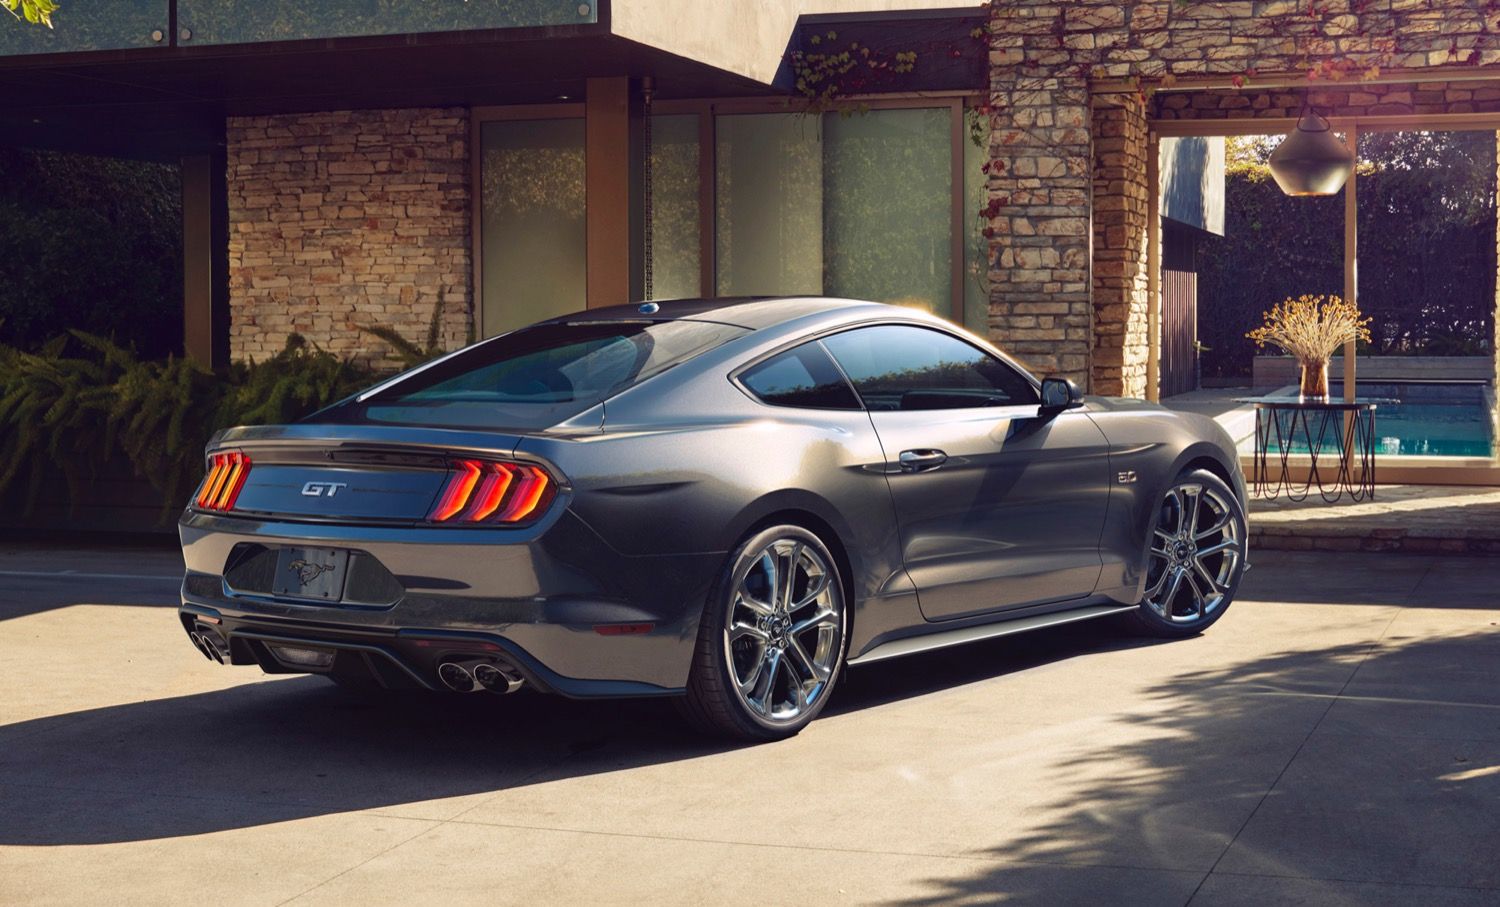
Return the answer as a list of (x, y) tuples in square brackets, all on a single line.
[(208, 645), (199, 644), (456, 677), (213, 647), (500, 679)]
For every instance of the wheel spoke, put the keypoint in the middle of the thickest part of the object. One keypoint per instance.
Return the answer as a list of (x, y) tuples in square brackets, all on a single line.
[(1226, 545), (741, 631), (747, 600), (824, 617), (1165, 536), (1203, 574), (810, 669), (817, 585), (1179, 504), (1219, 526), (765, 685), (747, 684), (1171, 594), (1190, 515), (787, 579), (1200, 601)]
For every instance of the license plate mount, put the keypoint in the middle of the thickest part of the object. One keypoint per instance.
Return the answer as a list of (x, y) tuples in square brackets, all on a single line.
[(314, 574)]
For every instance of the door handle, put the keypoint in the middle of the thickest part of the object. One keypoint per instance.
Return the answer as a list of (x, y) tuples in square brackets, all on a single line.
[(921, 460)]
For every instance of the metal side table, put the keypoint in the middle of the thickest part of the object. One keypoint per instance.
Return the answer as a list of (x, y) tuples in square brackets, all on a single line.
[(1337, 438)]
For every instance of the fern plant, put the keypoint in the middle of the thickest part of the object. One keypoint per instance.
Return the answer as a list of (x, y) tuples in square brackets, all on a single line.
[(82, 400)]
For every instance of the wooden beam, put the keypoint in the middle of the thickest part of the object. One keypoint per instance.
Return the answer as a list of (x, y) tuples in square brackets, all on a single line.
[(1153, 267), (1379, 123), (609, 182), (707, 202), (957, 239), (205, 259), (1351, 256)]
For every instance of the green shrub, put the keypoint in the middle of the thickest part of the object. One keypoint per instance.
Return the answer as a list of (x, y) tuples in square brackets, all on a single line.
[(81, 401)]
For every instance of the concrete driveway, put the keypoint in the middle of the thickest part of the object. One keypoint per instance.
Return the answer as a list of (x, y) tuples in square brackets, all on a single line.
[(1334, 740)]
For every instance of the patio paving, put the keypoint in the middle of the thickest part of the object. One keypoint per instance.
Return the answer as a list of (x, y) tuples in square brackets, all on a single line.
[(1420, 518), (1334, 740)]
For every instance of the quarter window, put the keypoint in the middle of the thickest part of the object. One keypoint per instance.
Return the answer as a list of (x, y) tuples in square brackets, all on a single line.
[(900, 367), (804, 376)]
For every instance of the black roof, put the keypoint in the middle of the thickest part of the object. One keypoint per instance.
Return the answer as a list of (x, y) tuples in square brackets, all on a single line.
[(753, 312)]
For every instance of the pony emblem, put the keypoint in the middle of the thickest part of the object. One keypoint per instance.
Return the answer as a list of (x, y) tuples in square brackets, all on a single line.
[(307, 571)]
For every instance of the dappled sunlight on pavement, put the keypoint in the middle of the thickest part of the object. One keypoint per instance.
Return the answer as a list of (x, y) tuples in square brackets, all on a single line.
[(1338, 722)]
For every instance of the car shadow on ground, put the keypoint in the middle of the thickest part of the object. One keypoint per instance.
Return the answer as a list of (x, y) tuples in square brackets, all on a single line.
[(284, 749)]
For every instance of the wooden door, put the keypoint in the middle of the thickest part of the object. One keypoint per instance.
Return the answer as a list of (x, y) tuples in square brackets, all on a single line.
[(1179, 312)]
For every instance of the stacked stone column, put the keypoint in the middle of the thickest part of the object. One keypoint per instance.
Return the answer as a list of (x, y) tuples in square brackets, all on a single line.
[(1039, 203), (1121, 207)]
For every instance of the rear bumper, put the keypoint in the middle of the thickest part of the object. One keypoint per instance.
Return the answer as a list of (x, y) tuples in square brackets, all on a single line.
[(536, 598)]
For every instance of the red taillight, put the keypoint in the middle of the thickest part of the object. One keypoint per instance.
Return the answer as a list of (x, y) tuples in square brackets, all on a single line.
[(226, 476), (482, 491)]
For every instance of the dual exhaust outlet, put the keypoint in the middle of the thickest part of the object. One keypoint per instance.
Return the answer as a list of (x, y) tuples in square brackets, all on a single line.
[(208, 643), (473, 676)]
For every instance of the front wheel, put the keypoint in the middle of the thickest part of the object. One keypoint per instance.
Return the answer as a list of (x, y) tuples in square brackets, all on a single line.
[(1197, 556), (772, 638)]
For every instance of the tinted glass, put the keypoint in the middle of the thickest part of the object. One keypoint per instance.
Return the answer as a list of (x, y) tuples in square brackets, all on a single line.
[(804, 376), (538, 376), (898, 367)]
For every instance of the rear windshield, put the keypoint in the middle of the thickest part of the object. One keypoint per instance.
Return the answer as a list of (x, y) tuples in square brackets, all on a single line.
[(537, 376)]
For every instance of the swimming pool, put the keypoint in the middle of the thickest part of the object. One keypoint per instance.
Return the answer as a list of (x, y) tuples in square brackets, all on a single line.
[(1427, 419)]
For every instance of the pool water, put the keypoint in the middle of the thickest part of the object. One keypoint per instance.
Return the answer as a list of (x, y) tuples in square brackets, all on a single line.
[(1427, 419)]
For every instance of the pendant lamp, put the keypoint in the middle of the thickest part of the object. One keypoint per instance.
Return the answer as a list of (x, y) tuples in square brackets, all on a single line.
[(1311, 160)]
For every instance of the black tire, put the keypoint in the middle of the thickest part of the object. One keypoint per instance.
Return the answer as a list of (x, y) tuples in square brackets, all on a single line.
[(713, 703), (1210, 589)]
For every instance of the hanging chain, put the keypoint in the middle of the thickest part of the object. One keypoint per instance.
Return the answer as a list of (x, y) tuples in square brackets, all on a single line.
[(647, 237)]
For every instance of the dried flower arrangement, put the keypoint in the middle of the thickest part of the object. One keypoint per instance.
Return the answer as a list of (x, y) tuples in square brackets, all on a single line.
[(1312, 328)]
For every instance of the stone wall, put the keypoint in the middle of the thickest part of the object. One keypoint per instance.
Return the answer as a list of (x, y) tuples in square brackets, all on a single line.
[(1353, 99), (1039, 218), (1121, 215), (1049, 65), (348, 219)]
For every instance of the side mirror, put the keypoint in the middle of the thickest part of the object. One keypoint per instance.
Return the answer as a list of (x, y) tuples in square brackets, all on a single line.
[(1059, 394)]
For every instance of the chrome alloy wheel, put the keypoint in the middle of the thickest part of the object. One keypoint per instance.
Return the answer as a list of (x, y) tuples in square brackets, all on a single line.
[(785, 631), (1196, 551)]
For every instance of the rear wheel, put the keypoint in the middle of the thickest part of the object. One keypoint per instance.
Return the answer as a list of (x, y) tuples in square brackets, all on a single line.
[(772, 638), (1197, 557)]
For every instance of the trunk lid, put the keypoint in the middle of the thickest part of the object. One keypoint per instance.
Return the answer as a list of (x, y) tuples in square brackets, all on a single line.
[(351, 472)]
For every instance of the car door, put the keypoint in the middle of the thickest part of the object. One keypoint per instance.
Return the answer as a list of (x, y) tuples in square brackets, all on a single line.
[(1000, 503)]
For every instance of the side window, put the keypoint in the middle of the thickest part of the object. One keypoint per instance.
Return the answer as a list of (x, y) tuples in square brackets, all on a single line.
[(803, 376), (901, 367)]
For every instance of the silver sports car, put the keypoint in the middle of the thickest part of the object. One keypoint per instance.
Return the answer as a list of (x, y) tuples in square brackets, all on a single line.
[(721, 501)]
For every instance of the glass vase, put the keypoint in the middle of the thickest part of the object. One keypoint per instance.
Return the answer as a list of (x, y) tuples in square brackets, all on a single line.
[(1315, 380)]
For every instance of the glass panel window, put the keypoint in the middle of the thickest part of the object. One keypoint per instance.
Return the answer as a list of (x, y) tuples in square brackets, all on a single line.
[(115, 25), (896, 367), (532, 218), (888, 207), (674, 207), (804, 377), (769, 190), (858, 205)]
